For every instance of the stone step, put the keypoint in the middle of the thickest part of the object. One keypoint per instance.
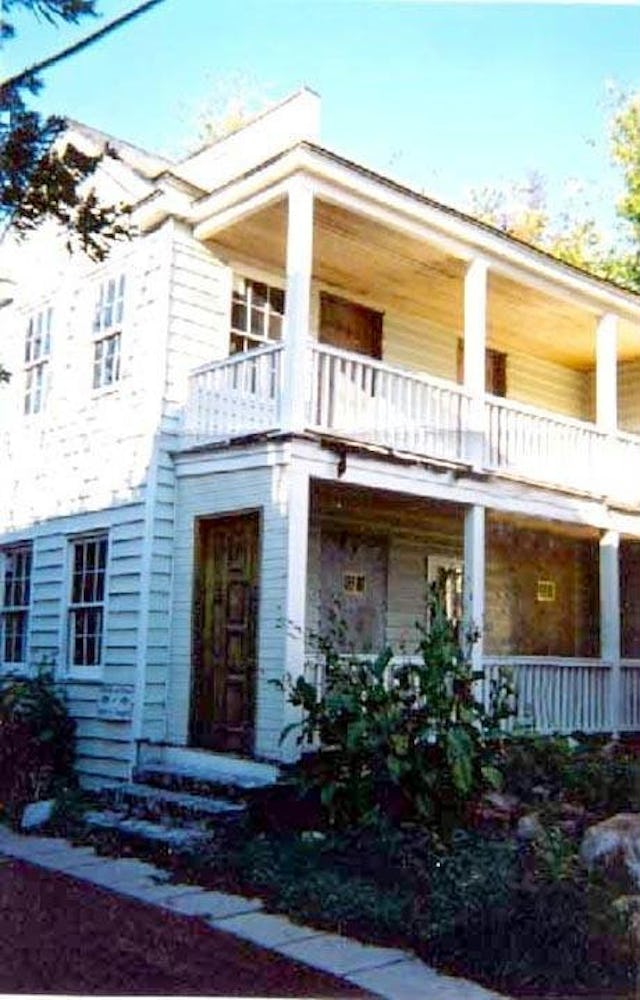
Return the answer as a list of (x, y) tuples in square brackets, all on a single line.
[(151, 802), (232, 785), (185, 837)]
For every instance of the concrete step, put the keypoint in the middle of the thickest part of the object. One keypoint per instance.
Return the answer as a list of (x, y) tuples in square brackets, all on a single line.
[(232, 785), (184, 837), (151, 802)]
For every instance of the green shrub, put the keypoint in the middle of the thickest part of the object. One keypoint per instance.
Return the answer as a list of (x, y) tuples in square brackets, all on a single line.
[(604, 779), (36, 741), (417, 727)]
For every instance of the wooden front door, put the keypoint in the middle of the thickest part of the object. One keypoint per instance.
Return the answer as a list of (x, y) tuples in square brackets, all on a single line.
[(224, 633), (350, 326)]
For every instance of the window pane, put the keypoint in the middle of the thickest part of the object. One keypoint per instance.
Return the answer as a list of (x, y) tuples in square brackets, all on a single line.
[(276, 298), (259, 294), (238, 316)]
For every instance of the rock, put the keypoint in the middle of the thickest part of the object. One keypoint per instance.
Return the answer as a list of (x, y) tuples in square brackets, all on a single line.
[(37, 814), (541, 792), (501, 802), (614, 843), (529, 828)]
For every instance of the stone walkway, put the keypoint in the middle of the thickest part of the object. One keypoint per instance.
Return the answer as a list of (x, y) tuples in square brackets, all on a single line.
[(385, 972)]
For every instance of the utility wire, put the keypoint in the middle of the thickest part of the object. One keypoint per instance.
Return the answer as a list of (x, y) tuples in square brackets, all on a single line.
[(84, 43)]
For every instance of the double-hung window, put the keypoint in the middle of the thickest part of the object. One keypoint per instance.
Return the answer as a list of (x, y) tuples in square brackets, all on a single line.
[(16, 595), (86, 608), (107, 332), (37, 348), (257, 314)]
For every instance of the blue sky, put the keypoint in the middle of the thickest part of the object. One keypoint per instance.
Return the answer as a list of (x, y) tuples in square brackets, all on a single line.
[(444, 96)]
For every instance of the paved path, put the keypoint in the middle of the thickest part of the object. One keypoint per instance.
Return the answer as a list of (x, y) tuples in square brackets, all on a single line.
[(131, 931)]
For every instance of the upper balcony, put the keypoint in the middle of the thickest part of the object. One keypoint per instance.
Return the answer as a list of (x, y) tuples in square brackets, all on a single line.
[(410, 328)]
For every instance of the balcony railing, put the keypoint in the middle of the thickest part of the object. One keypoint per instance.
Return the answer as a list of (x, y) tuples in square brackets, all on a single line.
[(236, 396), (355, 397)]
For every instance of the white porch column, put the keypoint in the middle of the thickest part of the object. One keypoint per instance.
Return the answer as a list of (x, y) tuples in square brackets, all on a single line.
[(607, 373), (295, 606), (475, 343), (610, 619), (298, 303), (474, 575)]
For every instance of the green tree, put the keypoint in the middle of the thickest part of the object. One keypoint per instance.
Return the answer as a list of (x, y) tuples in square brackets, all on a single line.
[(521, 210), (40, 178)]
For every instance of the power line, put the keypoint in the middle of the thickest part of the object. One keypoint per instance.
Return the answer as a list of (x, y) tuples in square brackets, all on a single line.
[(84, 43)]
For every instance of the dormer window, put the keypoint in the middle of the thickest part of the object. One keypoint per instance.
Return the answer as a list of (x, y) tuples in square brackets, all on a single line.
[(107, 332), (257, 313), (36, 360)]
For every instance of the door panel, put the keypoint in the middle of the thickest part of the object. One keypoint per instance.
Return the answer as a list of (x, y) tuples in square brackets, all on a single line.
[(350, 326), (353, 584), (224, 633)]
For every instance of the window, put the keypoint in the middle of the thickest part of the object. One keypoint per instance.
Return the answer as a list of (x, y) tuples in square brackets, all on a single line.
[(257, 313), (107, 332), (16, 594), (495, 370), (36, 359), (86, 609)]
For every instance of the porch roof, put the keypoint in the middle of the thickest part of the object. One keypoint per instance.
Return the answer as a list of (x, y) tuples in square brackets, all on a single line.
[(393, 254)]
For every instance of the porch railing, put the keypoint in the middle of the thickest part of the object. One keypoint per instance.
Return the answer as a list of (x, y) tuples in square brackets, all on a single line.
[(630, 696), (358, 397), (558, 695), (238, 395), (554, 694)]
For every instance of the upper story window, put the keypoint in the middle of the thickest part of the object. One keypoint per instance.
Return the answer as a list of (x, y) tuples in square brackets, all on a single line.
[(86, 606), (257, 312), (37, 348), (16, 595), (107, 332)]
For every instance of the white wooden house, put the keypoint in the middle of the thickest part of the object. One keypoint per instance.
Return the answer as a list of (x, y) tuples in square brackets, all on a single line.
[(304, 382)]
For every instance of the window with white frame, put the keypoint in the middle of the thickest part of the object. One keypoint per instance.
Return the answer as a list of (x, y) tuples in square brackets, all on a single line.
[(16, 596), (86, 607), (257, 314), (37, 347), (107, 331)]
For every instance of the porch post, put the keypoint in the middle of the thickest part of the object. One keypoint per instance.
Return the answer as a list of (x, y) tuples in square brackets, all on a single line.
[(298, 304), (607, 373), (474, 574), (295, 605), (610, 620), (475, 341)]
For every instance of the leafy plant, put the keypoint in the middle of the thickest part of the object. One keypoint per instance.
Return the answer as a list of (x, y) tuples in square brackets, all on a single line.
[(416, 727), (36, 740)]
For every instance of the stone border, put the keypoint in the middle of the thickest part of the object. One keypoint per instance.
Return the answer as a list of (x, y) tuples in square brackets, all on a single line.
[(387, 972)]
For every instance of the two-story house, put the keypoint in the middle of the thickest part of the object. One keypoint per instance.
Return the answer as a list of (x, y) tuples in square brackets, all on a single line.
[(303, 383)]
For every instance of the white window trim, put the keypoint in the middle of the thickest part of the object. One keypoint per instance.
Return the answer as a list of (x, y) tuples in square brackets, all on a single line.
[(239, 277), (20, 667), (121, 278), (40, 364), (72, 671)]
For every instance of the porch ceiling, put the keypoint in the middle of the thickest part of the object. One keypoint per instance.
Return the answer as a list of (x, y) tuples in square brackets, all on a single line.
[(396, 272)]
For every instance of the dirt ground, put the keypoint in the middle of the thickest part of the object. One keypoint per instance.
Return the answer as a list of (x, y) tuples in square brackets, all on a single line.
[(60, 935)]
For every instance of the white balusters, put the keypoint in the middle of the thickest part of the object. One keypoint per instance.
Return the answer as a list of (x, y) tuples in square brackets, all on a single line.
[(563, 695), (367, 400), (239, 395)]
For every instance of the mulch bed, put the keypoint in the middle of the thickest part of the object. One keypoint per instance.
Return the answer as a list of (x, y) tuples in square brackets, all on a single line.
[(60, 935)]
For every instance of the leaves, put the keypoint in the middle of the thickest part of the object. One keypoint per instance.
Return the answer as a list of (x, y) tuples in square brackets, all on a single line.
[(414, 727)]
